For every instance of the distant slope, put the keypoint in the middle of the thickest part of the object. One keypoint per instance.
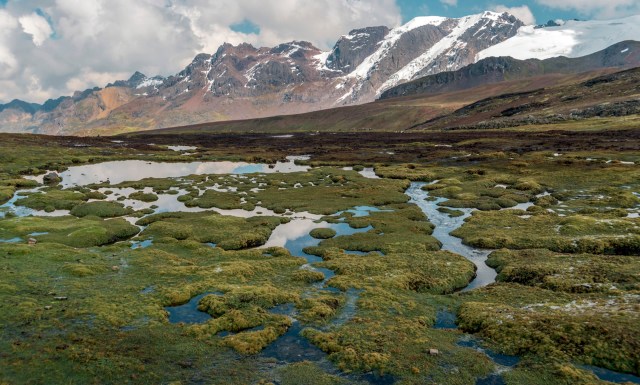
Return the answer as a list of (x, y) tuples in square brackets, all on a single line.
[(497, 69), (612, 95), (396, 114)]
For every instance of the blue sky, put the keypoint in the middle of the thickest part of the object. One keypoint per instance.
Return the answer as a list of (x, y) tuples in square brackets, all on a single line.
[(413, 8)]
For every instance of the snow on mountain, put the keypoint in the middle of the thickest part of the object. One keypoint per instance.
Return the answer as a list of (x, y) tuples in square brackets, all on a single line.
[(448, 42), (572, 39), (243, 82), (391, 39), (423, 46), (150, 82)]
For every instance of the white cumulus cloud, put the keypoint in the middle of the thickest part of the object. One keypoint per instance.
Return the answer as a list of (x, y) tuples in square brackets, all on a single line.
[(99, 41), (36, 26), (523, 13)]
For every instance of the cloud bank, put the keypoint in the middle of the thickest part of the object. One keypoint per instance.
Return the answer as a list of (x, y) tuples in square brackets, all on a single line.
[(50, 48)]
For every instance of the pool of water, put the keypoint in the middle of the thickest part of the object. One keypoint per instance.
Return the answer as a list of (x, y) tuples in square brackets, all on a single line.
[(133, 170), (362, 211), (471, 342), (610, 375), (294, 236), (141, 244), (444, 225), (181, 148), (445, 319), (189, 313), (363, 253), (12, 240), (121, 171)]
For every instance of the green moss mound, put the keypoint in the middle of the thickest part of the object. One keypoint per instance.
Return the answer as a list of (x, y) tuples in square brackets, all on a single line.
[(101, 210), (323, 233), (143, 197)]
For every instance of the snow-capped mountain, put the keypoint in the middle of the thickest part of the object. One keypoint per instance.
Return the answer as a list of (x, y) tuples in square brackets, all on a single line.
[(571, 39), (424, 46), (241, 82)]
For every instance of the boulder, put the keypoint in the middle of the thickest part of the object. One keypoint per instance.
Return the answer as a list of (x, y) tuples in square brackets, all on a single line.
[(51, 178)]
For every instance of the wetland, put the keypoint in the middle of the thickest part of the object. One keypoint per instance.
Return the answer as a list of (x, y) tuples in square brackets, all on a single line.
[(465, 258)]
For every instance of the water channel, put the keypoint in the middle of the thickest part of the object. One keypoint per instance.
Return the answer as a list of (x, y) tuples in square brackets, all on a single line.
[(294, 236)]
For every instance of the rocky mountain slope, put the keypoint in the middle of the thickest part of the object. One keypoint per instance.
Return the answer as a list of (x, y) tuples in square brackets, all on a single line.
[(607, 96), (246, 82), (498, 69), (242, 82), (390, 115)]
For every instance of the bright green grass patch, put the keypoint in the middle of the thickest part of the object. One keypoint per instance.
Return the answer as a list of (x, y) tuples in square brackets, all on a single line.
[(101, 210), (212, 198), (68, 230), (521, 320), (143, 197), (403, 223), (52, 199), (323, 233), (573, 234), (227, 232), (574, 273)]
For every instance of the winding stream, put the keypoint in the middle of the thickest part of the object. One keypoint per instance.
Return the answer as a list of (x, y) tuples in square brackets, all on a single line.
[(444, 225)]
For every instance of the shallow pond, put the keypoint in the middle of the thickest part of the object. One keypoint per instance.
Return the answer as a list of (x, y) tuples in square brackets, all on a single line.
[(189, 313), (133, 170), (610, 375), (444, 225)]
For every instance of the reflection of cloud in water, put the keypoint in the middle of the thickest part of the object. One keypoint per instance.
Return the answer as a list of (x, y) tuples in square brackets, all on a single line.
[(295, 229), (134, 170)]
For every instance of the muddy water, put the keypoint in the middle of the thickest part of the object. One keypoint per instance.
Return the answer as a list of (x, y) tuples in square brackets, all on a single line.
[(444, 225)]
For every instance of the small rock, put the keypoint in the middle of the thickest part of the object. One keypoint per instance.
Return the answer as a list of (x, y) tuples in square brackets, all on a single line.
[(185, 364), (51, 293), (115, 268), (32, 241), (51, 178), (61, 298), (434, 352), (48, 307)]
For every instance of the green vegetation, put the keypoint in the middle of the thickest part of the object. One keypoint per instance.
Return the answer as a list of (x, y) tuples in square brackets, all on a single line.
[(81, 306), (573, 234), (52, 199), (101, 210), (68, 230), (323, 233), (229, 233), (143, 197)]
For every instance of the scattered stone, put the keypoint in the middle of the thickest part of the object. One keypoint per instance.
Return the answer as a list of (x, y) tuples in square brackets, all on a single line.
[(32, 241), (48, 307), (185, 364), (51, 178), (434, 352), (115, 268), (61, 298)]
